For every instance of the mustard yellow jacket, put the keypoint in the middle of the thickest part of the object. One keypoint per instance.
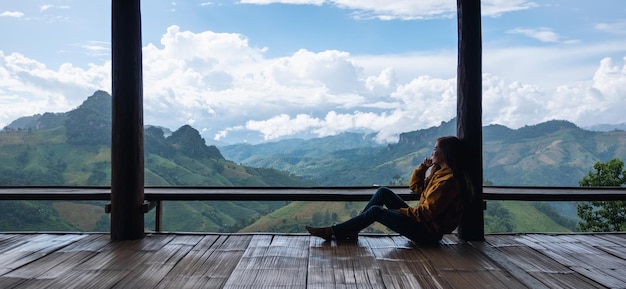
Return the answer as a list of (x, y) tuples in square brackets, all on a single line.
[(441, 200)]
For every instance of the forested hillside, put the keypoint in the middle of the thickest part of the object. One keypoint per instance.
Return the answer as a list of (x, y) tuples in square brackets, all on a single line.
[(74, 150)]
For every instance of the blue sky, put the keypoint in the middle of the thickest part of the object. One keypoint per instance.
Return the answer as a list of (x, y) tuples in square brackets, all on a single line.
[(261, 70)]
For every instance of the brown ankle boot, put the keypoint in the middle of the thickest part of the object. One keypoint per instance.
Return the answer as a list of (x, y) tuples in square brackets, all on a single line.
[(325, 233)]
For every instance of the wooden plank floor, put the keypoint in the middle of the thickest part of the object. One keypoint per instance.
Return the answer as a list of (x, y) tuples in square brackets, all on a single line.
[(300, 261)]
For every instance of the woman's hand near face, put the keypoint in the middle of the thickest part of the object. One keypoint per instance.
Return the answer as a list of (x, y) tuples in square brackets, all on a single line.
[(432, 166)]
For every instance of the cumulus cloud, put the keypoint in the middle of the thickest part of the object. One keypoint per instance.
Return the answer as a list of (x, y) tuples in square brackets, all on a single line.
[(232, 91), (283, 125), (29, 87), (513, 104), (382, 83)]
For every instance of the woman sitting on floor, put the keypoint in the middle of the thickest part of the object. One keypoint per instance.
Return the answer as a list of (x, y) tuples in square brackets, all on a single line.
[(443, 196)]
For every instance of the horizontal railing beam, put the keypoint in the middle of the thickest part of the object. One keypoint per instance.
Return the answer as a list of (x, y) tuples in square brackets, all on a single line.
[(570, 194), (42, 193), (491, 193), (271, 194)]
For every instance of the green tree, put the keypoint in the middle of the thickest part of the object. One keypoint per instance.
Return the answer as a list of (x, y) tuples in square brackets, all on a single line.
[(317, 218), (498, 219), (603, 216)]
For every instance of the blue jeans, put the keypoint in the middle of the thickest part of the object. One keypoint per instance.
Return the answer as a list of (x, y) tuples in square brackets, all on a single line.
[(374, 211)]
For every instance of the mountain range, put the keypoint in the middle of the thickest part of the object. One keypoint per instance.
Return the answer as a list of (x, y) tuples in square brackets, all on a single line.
[(553, 153), (73, 148)]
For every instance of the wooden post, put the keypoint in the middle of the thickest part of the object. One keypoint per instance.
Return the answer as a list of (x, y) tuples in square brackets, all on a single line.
[(469, 110), (127, 167)]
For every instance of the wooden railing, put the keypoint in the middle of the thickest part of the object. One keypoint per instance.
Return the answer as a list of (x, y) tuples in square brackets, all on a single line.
[(154, 196)]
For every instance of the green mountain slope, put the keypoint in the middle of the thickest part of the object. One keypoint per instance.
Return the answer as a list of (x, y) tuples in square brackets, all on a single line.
[(293, 217), (76, 152), (521, 217)]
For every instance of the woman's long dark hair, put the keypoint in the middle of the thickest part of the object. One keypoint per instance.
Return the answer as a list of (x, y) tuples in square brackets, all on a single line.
[(456, 157)]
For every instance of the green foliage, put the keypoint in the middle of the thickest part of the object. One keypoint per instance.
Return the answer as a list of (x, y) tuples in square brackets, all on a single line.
[(555, 215), (505, 217), (609, 174), (50, 120), (214, 216), (318, 219), (603, 216), (99, 175), (527, 218), (498, 219), (31, 216)]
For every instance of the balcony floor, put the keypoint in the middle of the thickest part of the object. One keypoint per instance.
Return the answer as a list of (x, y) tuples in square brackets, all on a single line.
[(77, 260)]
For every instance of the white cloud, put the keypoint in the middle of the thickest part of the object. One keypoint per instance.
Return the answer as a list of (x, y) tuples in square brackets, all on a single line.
[(542, 34), (227, 89), (331, 69), (496, 8), (404, 67), (98, 49), (306, 92), (513, 104), (47, 7), (381, 84), (408, 9), (585, 103), (283, 125), (610, 79), (299, 2), (29, 87), (15, 14), (549, 66), (617, 27)]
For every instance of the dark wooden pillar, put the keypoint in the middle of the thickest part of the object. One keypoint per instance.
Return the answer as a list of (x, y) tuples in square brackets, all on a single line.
[(469, 110), (127, 167)]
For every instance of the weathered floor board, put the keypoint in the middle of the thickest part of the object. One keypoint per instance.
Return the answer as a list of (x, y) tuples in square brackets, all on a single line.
[(236, 261)]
